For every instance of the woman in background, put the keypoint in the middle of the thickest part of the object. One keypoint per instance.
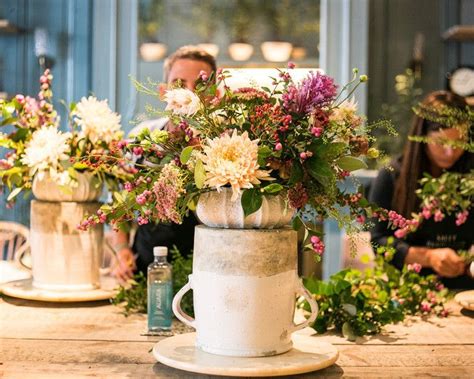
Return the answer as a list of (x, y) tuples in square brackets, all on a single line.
[(434, 244)]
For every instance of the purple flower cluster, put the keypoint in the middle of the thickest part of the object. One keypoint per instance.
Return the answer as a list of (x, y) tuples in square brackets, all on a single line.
[(316, 91)]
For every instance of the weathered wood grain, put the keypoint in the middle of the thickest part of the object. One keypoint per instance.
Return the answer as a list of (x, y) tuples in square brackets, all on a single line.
[(28, 370), (111, 352), (44, 340)]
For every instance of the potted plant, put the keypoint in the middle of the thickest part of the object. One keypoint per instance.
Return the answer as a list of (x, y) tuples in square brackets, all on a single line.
[(243, 154), (63, 170)]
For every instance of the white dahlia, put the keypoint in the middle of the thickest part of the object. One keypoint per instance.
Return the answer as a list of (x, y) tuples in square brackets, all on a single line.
[(97, 121), (182, 101), (45, 150), (232, 159)]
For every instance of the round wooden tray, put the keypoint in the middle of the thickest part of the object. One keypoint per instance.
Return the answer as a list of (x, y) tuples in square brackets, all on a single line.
[(308, 354), (466, 299), (23, 289)]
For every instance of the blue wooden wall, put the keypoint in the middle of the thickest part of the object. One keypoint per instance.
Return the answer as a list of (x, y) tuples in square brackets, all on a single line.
[(69, 27)]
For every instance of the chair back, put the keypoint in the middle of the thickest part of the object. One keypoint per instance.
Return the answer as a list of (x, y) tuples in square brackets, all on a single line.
[(14, 240)]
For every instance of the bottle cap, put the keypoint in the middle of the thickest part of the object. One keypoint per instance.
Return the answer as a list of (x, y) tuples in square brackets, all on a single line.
[(160, 251)]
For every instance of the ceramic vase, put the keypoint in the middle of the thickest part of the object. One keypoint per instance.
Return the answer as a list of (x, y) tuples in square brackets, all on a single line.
[(217, 210), (244, 284)]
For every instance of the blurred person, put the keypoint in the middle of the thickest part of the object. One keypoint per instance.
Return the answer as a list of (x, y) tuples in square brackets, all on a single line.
[(182, 68), (434, 244)]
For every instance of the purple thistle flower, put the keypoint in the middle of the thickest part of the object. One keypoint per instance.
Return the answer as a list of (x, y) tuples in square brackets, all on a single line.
[(317, 90)]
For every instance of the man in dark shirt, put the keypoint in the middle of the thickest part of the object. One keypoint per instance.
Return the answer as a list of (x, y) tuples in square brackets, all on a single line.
[(182, 67)]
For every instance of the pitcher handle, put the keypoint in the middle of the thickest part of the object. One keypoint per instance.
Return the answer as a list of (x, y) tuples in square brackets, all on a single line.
[(301, 290), (178, 312)]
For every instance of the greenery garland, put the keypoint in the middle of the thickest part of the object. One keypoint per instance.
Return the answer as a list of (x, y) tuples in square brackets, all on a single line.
[(358, 303)]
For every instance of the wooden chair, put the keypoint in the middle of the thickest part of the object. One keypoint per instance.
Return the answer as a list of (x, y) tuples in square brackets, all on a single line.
[(14, 240)]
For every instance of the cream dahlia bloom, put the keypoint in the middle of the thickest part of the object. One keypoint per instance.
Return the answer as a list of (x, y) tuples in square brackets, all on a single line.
[(97, 121), (232, 159), (45, 150), (346, 112), (182, 101)]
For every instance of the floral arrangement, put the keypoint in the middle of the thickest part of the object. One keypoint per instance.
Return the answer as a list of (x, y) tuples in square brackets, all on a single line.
[(38, 148), (357, 303), (298, 140)]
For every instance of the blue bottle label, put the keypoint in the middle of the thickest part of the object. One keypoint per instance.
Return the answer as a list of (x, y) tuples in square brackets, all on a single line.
[(160, 313)]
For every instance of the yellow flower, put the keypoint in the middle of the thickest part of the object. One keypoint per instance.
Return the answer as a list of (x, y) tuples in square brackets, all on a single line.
[(232, 159)]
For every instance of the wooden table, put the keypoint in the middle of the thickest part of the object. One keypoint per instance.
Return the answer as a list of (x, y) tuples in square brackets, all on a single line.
[(43, 340)]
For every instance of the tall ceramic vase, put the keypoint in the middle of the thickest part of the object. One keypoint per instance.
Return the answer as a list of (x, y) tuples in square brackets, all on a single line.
[(64, 258), (244, 284)]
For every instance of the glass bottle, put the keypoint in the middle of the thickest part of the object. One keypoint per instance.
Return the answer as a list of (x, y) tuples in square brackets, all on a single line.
[(160, 291)]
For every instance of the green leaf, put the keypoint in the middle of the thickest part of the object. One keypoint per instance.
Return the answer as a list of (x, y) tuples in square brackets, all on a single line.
[(8, 121), (321, 325), (331, 151), (9, 108), (118, 197), (348, 332), (315, 147), (383, 296), (350, 163), (320, 170), (11, 171), (263, 153), (79, 166), (72, 173), (15, 192), (296, 173), (186, 154), (16, 179), (199, 174), (251, 201), (273, 188), (296, 224), (350, 309), (192, 203), (341, 285), (20, 135), (312, 285)]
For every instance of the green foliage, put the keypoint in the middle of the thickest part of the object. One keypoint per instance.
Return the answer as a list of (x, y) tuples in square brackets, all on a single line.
[(182, 268), (400, 113), (251, 200), (449, 117), (450, 193), (358, 303), (132, 297)]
